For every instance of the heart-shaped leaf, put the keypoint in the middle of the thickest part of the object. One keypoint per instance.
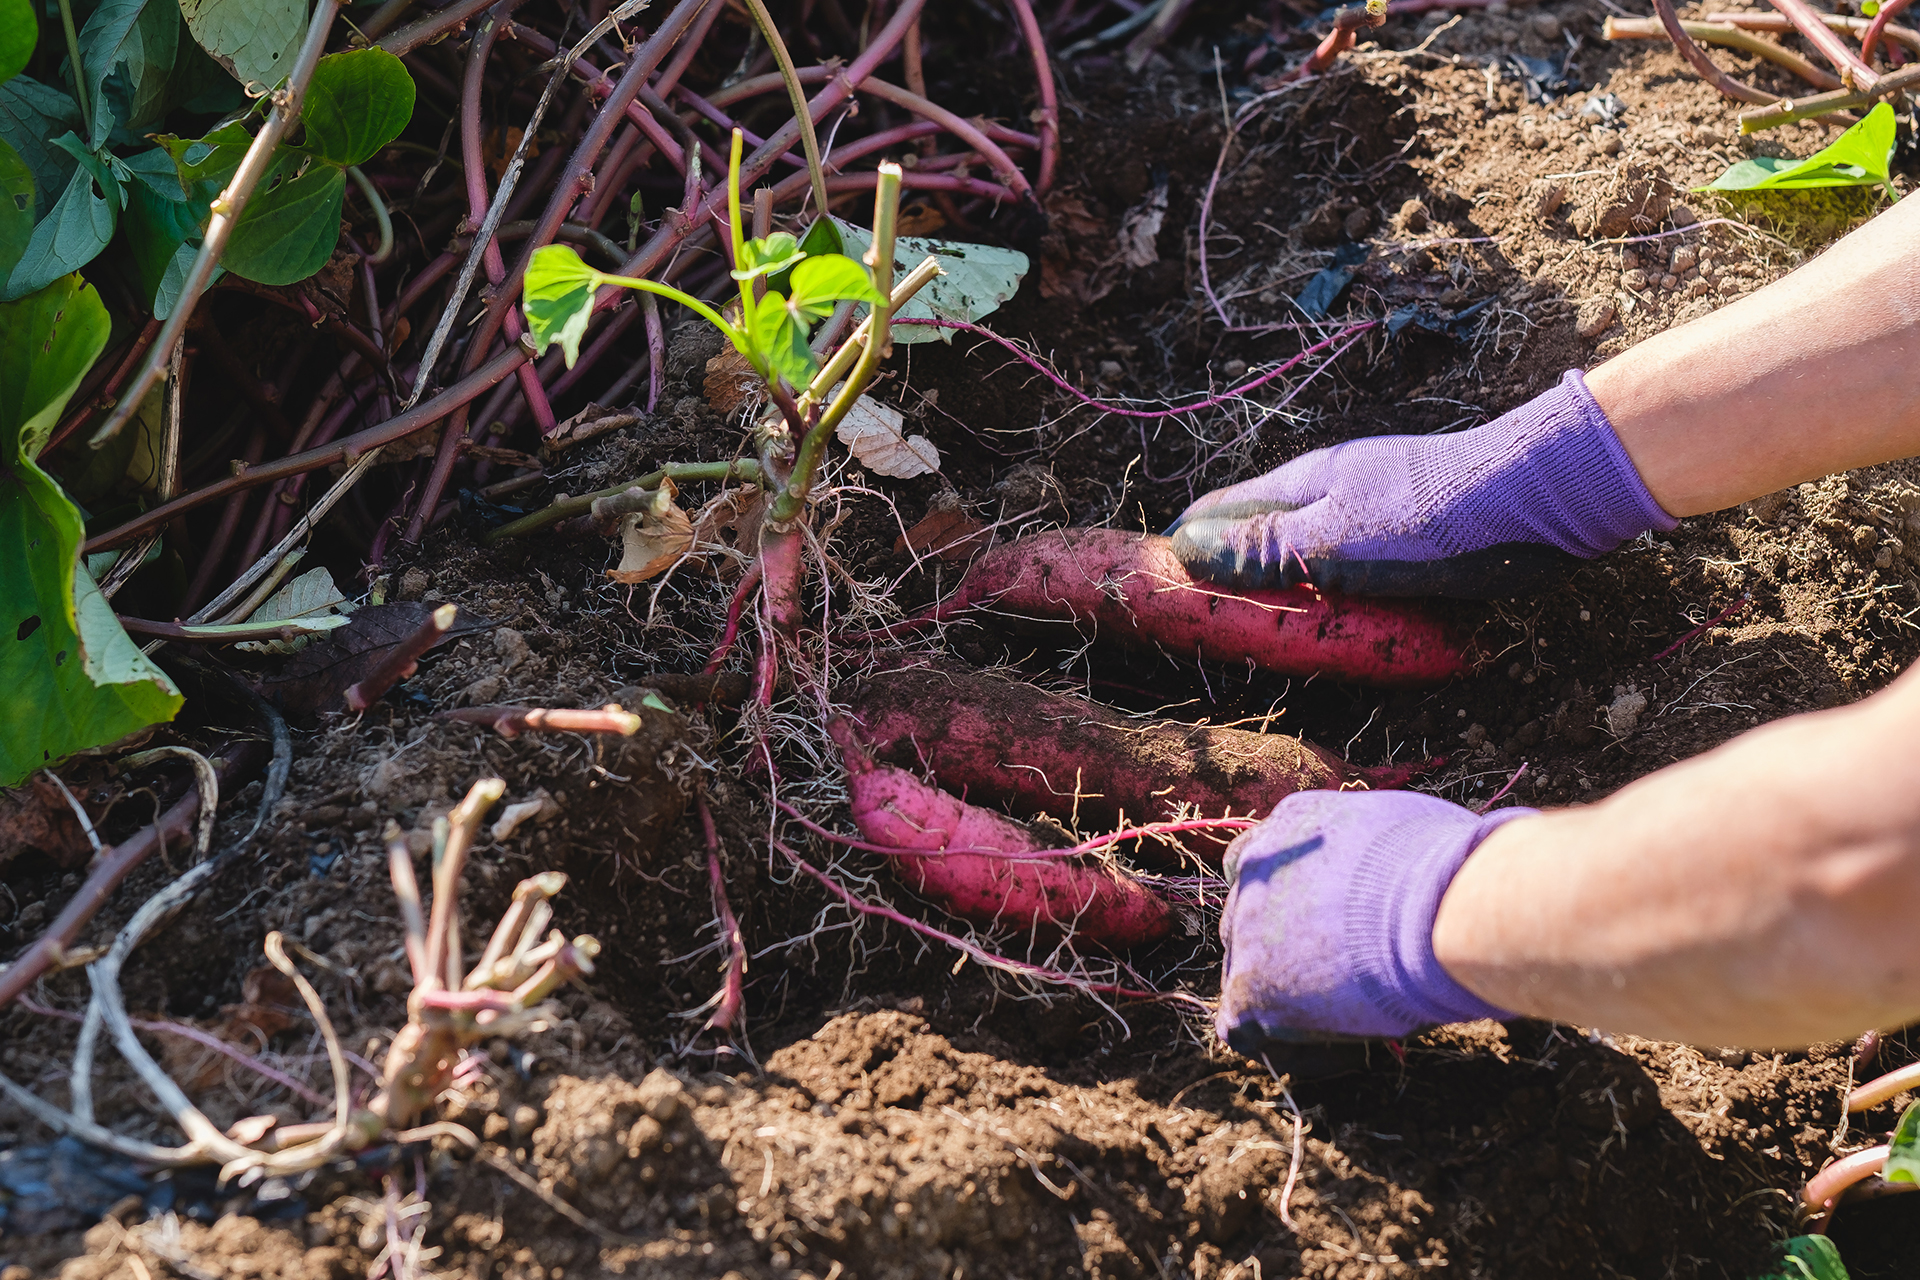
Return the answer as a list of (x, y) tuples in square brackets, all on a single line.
[(141, 36), (31, 117), (16, 208), (557, 299), (287, 233), (211, 159), (73, 678), (821, 281), (357, 103), (19, 32), (974, 280), (779, 337), (1857, 158), (777, 253), (256, 40), (74, 233)]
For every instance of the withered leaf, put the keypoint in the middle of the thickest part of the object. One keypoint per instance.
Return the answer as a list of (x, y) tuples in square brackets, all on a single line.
[(652, 541), (874, 434), (730, 381), (947, 534), (317, 678)]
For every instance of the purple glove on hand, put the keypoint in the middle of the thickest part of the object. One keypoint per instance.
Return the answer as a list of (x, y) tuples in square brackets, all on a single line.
[(1329, 927), (1495, 511)]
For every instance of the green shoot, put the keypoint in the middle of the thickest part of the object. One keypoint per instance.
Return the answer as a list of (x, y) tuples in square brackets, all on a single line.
[(1857, 158), (772, 335)]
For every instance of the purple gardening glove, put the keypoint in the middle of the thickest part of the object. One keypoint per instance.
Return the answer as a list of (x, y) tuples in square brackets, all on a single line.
[(1329, 927), (1496, 511)]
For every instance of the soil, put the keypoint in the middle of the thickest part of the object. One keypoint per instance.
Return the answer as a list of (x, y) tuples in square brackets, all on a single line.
[(890, 1113)]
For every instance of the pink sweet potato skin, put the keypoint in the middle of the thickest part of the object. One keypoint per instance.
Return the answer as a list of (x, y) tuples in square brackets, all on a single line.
[(894, 808), (1131, 587), (1009, 743)]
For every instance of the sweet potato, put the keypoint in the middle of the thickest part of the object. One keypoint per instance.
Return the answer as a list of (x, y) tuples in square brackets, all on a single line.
[(1131, 587), (1008, 743), (895, 809)]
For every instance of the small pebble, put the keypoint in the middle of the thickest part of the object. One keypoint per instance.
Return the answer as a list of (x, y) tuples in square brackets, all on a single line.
[(1610, 145), (1234, 368), (1585, 616), (1684, 259), (1634, 279)]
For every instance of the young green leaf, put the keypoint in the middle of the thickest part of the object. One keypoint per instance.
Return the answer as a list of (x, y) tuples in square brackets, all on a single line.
[(557, 299), (73, 234), (1903, 1150), (820, 282), (256, 40), (358, 102), (19, 31), (778, 252), (974, 280), (822, 237), (16, 208), (1857, 158), (31, 117), (779, 337), (288, 233), (141, 36), (1805, 1258), (73, 678)]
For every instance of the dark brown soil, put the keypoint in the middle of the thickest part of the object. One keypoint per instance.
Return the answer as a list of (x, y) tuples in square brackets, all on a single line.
[(889, 1113)]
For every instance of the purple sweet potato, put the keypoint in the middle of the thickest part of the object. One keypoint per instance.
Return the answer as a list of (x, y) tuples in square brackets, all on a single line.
[(929, 828), (1008, 743), (1131, 587)]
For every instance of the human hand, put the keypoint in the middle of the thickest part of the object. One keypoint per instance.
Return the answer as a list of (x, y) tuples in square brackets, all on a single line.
[(1496, 511), (1329, 925)]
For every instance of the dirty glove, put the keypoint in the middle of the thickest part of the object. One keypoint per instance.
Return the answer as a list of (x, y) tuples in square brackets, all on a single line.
[(1329, 926), (1495, 511)]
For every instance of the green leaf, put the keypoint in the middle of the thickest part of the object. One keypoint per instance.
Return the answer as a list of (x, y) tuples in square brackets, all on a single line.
[(358, 103), (779, 337), (16, 208), (31, 117), (778, 252), (1805, 1258), (142, 36), (821, 237), (974, 280), (287, 233), (255, 40), (73, 234), (73, 678), (1857, 158), (820, 282), (1903, 1150), (156, 228), (19, 32), (211, 159), (174, 279), (557, 299)]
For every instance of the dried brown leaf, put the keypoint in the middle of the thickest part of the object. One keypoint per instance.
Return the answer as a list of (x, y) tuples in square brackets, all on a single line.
[(731, 381), (874, 433), (317, 678), (651, 543), (948, 534)]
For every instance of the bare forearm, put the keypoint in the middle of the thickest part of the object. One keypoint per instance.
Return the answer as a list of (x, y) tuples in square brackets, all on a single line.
[(1808, 376), (1762, 894)]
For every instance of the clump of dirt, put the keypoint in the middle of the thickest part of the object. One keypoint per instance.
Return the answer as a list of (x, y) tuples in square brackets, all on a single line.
[(888, 1113)]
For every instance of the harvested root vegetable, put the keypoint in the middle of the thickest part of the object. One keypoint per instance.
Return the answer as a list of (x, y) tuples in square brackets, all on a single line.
[(1131, 587), (1011, 744), (957, 855)]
